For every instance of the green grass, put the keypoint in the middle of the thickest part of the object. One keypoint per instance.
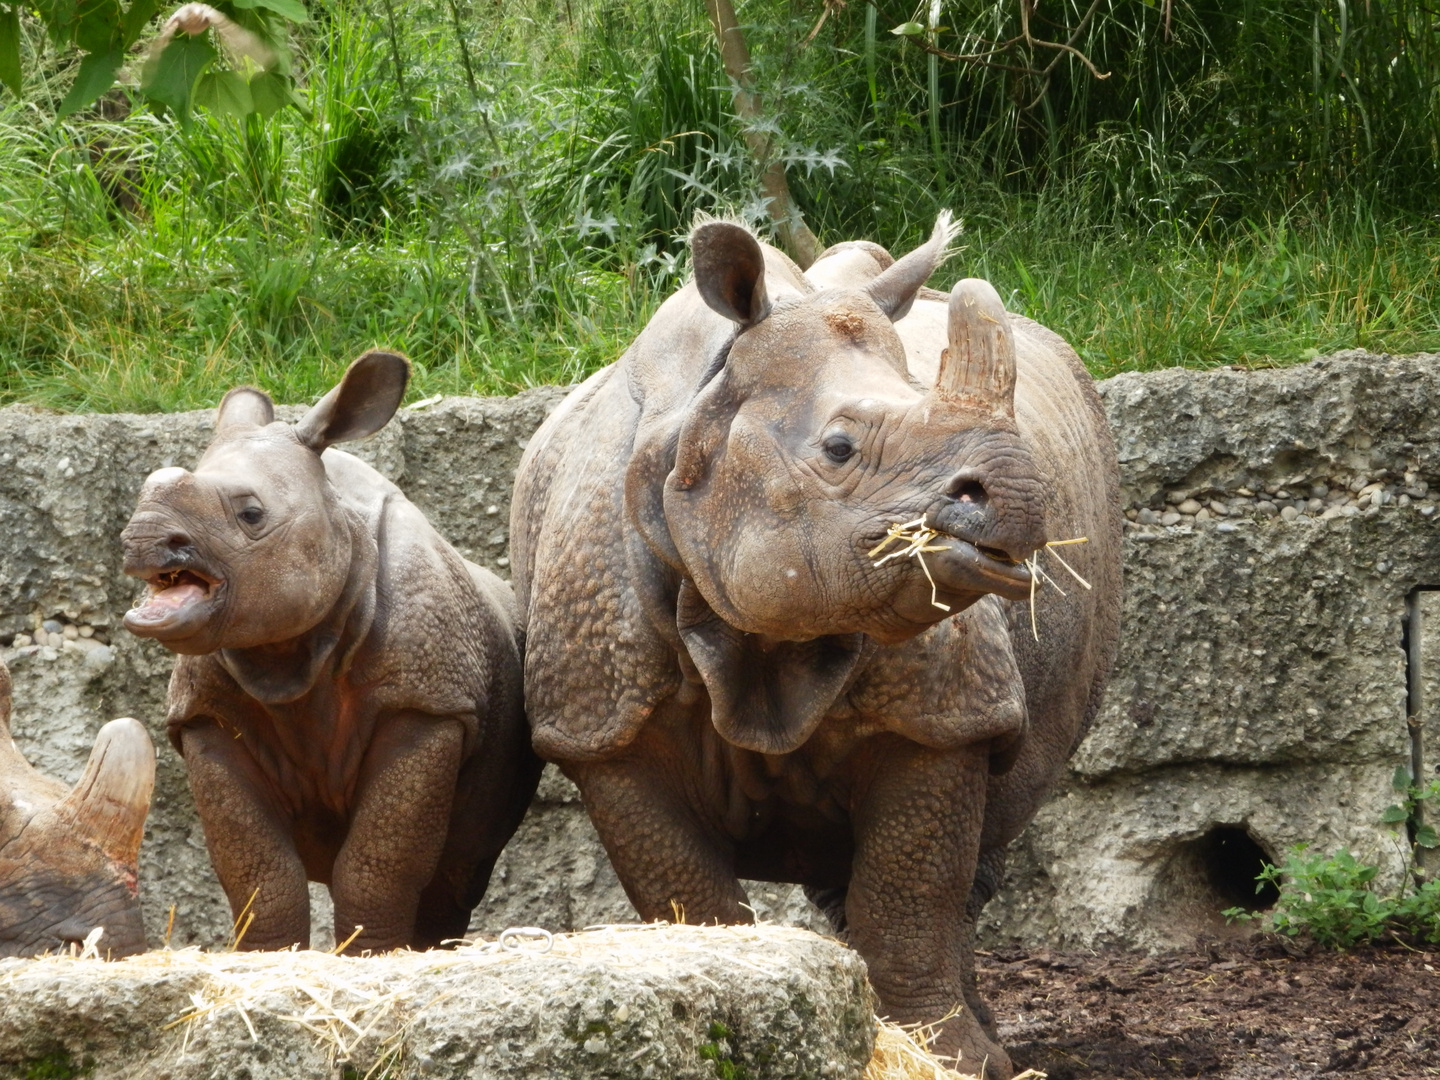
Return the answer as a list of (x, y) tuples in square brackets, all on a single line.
[(522, 230)]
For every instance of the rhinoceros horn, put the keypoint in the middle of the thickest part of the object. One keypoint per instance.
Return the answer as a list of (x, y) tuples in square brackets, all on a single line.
[(5, 743), (109, 804), (895, 288), (979, 362), (10, 757)]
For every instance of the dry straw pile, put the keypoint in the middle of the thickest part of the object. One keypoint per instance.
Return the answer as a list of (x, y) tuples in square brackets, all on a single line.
[(903, 1053)]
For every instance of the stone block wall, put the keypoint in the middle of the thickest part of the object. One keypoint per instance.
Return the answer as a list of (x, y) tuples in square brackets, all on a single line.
[(1278, 522)]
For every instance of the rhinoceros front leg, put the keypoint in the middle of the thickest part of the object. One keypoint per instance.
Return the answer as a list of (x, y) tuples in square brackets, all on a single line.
[(917, 840), (249, 838), (397, 830), (669, 863)]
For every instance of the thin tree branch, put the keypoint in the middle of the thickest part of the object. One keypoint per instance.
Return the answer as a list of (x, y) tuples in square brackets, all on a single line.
[(982, 59), (790, 228)]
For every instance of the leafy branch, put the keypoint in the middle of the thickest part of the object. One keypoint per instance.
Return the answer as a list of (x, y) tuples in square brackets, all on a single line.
[(1018, 50), (230, 58)]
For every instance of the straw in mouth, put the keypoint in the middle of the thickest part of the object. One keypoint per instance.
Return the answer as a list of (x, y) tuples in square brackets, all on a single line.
[(917, 537)]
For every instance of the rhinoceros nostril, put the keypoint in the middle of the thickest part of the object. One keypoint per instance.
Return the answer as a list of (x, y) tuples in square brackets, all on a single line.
[(177, 540), (965, 489)]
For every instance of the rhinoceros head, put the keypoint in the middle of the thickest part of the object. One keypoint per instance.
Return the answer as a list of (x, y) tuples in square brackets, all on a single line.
[(812, 440), (253, 547), (68, 859)]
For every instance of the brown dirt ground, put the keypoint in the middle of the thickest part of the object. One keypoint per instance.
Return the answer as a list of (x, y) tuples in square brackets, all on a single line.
[(1233, 1010)]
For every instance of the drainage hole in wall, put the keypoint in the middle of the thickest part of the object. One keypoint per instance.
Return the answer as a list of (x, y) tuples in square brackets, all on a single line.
[(1230, 859)]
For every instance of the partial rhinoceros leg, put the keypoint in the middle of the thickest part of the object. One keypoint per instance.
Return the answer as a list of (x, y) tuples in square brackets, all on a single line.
[(670, 864), (397, 830), (249, 838), (917, 837), (831, 903)]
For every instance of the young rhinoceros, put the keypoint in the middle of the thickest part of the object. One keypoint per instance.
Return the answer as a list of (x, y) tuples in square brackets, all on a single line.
[(68, 857), (347, 699), (718, 653)]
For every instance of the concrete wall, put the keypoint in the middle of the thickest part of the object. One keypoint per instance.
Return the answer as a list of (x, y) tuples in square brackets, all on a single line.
[(1279, 519)]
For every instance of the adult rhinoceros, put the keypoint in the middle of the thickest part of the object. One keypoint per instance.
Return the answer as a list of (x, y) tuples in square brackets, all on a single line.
[(715, 658)]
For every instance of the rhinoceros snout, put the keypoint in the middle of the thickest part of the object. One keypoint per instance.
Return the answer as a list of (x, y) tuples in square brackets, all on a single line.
[(990, 515)]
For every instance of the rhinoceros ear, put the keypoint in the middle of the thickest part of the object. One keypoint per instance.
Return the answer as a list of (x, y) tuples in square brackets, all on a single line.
[(244, 407), (363, 402), (730, 272), (109, 804), (894, 290)]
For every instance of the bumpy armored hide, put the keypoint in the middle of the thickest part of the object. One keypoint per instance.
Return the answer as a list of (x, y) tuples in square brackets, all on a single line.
[(347, 696), (724, 660)]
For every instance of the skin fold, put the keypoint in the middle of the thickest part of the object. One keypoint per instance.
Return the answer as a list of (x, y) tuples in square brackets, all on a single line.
[(347, 696), (68, 857), (717, 662)]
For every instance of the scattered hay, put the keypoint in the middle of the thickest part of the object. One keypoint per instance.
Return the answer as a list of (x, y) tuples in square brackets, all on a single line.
[(1037, 573), (903, 1053)]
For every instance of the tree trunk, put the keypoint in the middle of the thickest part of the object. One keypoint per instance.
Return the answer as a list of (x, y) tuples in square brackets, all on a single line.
[(790, 228)]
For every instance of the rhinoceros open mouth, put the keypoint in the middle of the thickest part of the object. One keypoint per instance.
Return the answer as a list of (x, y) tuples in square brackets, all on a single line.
[(176, 599)]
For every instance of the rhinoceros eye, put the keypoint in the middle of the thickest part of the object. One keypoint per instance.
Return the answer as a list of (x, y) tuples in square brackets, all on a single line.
[(838, 448), (252, 515)]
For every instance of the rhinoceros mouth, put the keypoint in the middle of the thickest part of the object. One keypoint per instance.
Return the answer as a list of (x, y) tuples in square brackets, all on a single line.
[(176, 601), (964, 567)]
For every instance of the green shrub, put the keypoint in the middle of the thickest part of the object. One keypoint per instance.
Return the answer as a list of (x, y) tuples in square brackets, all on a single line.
[(1332, 899)]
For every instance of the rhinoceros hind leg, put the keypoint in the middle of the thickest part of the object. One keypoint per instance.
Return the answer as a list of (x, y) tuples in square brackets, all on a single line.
[(831, 903), (442, 915)]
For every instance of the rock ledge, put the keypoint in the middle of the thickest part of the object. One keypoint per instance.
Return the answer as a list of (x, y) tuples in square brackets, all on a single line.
[(669, 1002)]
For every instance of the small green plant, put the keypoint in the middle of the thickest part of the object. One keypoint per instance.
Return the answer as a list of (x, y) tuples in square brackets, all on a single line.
[(1410, 810), (1329, 898), (720, 1051), (56, 1066), (1332, 898)]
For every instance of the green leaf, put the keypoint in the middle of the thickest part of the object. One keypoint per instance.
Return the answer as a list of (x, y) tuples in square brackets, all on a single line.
[(1394, 814), (96, 22), (224, 92), (57, 15), (1401, 780), (96, 75), (908, 29), (137, 16), (1426, 837), (290, 9), (170, 77), (10, 49), (270, 92)]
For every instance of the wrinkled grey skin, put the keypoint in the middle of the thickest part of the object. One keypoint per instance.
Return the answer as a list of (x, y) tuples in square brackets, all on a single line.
[(68, 857), (715, 660), (347, 697)]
